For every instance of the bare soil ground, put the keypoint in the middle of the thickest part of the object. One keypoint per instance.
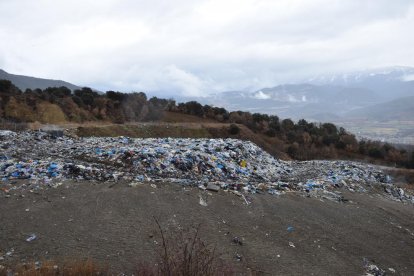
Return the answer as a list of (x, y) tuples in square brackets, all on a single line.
[(114, 224)]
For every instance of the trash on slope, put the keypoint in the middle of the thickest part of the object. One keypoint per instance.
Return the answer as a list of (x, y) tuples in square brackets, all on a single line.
[(203, 202), (372, 269), (36, 160)]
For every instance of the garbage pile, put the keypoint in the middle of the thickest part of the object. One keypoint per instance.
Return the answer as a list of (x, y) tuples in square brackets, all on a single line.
[(38, 156), (322, 177), (203, 160), (38, 159)]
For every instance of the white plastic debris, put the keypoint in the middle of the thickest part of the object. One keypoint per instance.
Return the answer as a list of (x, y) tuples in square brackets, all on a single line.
[(202, 202), (32, 237)]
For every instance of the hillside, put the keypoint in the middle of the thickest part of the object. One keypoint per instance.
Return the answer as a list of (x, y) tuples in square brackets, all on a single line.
[(25, 82), (399, 109)]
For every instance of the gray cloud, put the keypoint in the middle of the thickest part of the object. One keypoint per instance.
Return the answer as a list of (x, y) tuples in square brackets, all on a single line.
[(197, 47)]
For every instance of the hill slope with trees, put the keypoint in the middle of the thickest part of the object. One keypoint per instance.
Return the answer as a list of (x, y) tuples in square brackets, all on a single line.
[(301, 140)]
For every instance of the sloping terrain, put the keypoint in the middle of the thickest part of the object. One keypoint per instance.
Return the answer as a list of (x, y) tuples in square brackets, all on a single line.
[(285, 235)]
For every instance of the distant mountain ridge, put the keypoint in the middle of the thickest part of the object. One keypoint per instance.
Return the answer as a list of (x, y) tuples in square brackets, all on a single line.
[(389, 83), (298, 100), (26, 82), (324, 98)]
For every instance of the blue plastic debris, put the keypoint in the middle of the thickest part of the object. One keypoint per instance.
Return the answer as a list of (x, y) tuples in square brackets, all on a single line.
[(232, 164)]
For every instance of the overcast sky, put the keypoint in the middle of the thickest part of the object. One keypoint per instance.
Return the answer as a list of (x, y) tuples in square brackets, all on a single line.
[(192, 47)]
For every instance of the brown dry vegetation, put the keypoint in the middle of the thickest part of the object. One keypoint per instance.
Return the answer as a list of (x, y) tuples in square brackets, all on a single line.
[(144, 130), (17, 110), (174, 117), (50, 113)]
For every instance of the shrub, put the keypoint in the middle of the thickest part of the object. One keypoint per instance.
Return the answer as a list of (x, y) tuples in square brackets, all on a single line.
[(185, 254), (271, 132), (234, 129)]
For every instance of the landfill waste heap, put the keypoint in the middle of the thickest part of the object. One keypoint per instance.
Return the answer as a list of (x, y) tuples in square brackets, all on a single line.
[(36, 160)]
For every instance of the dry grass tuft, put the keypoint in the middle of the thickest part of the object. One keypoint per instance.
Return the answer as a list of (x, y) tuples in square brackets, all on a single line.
[(185, 254)]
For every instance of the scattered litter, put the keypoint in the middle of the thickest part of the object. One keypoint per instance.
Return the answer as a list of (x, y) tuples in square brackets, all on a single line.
[(134, 184), (236, 193), (32, 237), (245, 200), (372, 269), (213, 187), (202, 202), (292, 245), (290, 229), (202, 187), (10, 253), (38, 265), (391, 269), (237, 240), (239, 258)]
